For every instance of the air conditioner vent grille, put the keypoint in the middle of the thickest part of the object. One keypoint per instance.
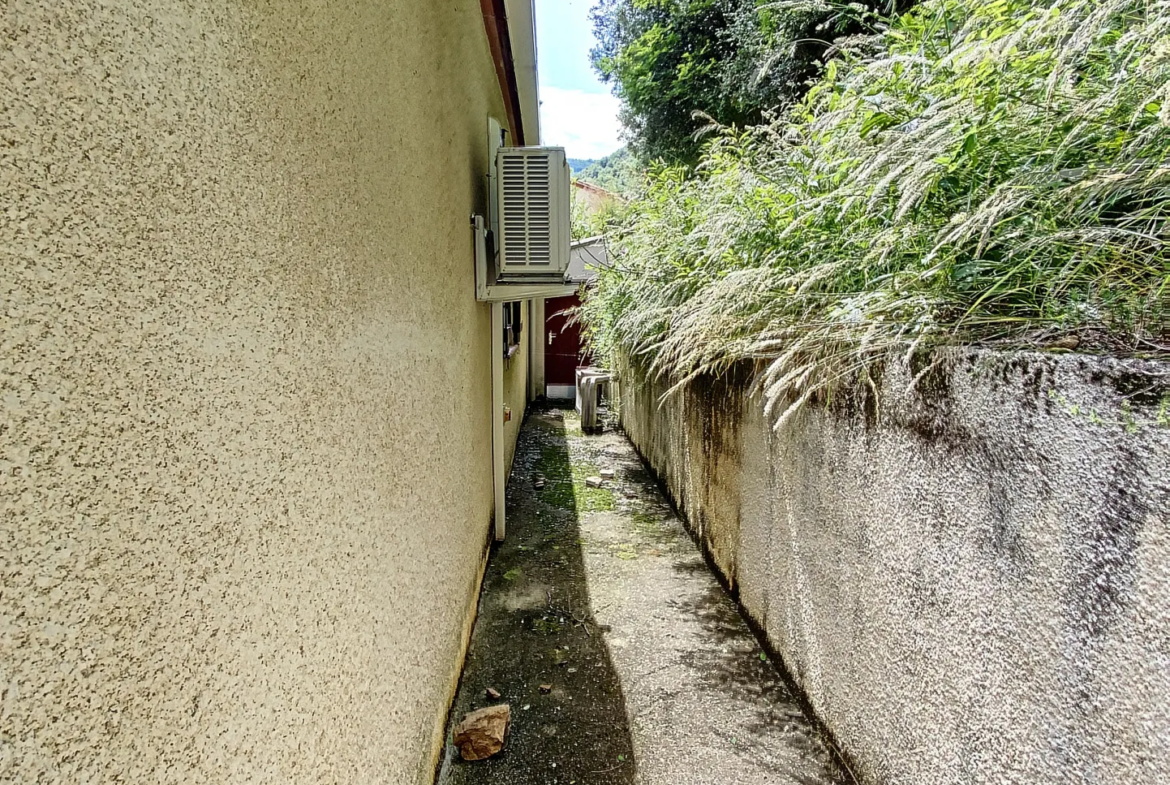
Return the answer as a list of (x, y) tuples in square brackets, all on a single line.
[(527, 211), (531, 227)]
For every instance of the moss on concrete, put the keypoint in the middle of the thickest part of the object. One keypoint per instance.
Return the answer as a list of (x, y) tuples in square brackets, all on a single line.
[(565, 482)]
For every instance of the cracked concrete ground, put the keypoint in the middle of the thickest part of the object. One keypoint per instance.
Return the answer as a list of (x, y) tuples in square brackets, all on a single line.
[(600, 596)]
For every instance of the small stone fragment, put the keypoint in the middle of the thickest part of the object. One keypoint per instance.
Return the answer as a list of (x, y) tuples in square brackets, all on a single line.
[(593, 482), (607, 474), (545, 689), (1066, 342), (493, 693), (481, 733)]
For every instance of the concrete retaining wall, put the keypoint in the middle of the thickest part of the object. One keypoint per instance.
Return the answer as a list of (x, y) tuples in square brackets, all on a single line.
[(970, 579)]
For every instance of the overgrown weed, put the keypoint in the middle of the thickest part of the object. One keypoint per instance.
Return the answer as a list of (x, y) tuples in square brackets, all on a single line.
[(990, 172)]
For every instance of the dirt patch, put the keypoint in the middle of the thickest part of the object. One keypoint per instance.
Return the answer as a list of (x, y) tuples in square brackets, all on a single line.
[(536, 628)]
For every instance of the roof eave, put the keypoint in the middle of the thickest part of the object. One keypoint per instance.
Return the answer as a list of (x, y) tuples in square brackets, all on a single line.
[(511, 32)]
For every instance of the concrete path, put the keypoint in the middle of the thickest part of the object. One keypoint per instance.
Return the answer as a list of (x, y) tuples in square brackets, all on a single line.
[(649, 673)]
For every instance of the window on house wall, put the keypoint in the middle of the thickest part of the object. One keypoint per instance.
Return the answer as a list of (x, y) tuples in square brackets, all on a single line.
[(513, 327)]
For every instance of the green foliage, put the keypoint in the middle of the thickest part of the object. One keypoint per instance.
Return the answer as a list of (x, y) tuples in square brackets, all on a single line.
[(994, 171), (586, 221), (577, 165), (621, 173), (683, 66), (567, 484)]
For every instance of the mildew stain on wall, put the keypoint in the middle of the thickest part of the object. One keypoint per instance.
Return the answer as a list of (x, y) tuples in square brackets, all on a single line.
[(966, 567)]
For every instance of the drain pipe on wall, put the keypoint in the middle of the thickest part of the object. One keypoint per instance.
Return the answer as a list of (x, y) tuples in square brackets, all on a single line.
[(536, 348), (497, 295), (499, 481)]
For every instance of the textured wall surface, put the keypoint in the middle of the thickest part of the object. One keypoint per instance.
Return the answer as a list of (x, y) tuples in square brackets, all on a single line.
[(245, 480), (969, 578), (516, 388)]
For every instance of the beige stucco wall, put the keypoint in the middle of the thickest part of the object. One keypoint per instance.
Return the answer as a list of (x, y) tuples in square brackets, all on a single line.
[(516, 388), (969, 576), (245, 458)]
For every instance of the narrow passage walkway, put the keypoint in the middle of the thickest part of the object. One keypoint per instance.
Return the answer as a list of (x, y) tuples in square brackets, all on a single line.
[(622, 658)]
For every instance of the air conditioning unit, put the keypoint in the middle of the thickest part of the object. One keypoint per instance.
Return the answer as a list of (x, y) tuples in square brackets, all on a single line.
[(533, 201)]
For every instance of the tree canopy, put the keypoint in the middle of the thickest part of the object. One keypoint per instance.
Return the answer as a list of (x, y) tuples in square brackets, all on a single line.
[(682, 65)]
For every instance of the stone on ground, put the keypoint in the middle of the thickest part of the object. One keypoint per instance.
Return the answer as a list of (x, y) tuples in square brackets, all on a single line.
[(481, 734)]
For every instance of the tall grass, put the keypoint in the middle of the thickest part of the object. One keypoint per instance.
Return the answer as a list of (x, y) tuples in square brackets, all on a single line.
[(979, 171)]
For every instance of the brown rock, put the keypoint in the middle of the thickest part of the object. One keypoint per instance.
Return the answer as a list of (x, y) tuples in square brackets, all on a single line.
[(493, 693), (481, 733), (1067, 342), (546, 688)]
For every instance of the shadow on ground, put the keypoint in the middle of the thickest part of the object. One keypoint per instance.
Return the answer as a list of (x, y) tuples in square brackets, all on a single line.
[(653, 675), (536, 627)]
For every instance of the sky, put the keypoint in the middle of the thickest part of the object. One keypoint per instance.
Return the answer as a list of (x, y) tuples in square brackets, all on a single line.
[(577, 111)]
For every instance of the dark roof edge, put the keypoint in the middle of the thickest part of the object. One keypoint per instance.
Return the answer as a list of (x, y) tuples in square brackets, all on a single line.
[(495, 21)]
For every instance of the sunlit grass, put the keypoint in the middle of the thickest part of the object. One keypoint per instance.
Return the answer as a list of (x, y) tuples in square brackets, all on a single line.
[(979, 172)]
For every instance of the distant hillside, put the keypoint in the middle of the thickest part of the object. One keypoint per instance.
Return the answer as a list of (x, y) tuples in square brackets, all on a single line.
[(620, 172), (577, 164)]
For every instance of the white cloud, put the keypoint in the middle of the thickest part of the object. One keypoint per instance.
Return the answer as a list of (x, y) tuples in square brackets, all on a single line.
[(585, 124)]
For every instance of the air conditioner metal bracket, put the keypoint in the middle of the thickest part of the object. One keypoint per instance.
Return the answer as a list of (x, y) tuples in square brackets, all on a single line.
[(489, 290)]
